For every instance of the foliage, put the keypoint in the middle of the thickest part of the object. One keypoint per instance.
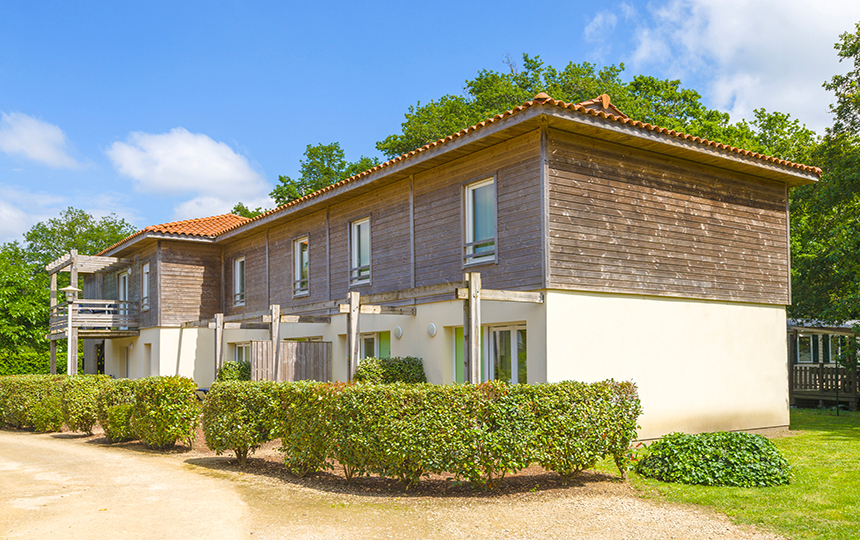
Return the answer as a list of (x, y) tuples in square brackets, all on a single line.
[(241, 210), (405, 369), (323, 165), (847, 87), (32, 401), (821, 501), (234, 371), (80, 401), (237, 416), (115, 402), (304, 425), (165, 410), (716, 459)]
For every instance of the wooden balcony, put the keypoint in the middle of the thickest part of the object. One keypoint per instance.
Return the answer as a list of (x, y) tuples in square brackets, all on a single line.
[(95, 319), (822, 383)]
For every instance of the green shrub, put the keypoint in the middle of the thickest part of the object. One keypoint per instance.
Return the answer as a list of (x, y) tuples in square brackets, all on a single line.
[(404, 369), (716, 459), (165, 410), (114, 404), (304, 424), (32, 401), (238, 416), (234, 371), (80, 401)]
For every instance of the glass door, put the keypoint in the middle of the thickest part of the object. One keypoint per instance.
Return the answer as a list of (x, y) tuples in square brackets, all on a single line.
[(122, 295), (507, 354)]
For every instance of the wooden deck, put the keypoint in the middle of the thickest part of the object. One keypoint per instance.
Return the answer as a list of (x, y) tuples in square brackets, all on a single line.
[(819, 383), (95, 319)]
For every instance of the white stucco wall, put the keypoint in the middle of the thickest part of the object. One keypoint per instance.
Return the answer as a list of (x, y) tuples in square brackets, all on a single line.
[(699, 365)]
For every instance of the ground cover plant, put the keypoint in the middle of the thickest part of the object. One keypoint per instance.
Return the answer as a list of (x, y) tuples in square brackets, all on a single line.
[(821, 502)]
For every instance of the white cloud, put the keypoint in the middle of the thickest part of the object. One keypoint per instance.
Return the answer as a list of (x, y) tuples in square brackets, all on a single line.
[(602, 23), (36, 140), (748, 54), (183, 163)]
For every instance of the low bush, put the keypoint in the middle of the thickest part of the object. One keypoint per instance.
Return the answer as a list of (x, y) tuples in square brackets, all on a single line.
[(80, 401), (114, 404), (716, 459), (165, 410), (238, 416), (32, 401), (234, 371), (304, 424), (403, 369)]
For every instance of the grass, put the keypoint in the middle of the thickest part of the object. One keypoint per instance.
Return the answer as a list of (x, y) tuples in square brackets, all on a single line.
[(821, 502)]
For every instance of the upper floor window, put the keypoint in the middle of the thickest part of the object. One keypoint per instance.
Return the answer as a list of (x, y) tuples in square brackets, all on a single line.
[(359, 272), (301, 281), (480, 244), (144, 287), (239, 282)]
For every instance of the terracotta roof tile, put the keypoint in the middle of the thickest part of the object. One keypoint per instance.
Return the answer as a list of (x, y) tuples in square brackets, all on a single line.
[(203, 227), (594, 107)]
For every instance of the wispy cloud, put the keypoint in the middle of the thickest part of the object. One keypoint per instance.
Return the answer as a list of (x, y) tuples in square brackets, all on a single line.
[(769, 53), (183, 163), (36, 140)]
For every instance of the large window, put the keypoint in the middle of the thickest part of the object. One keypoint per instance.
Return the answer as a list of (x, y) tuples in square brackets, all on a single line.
[(359, 272), (239, 282), (144, 287), (480, 226), (301, 280), (508, 354)]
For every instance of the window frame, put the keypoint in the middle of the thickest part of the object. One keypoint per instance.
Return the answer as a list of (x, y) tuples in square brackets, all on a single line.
[(355, 267), (239, 296), (301, 285), (470, 258), (242, 346), (144, 286)]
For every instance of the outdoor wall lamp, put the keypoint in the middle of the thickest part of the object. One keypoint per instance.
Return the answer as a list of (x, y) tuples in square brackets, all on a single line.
[(71, 293)]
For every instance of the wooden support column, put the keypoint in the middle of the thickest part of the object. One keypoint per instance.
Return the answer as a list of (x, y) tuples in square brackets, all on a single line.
[(219, 341), (472, 327), (53, 306), (352, 335), (275, 349), (72, 353)]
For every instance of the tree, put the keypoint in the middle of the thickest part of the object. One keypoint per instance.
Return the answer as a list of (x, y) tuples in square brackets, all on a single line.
[(847, 87), (324, 165), (241, 210)]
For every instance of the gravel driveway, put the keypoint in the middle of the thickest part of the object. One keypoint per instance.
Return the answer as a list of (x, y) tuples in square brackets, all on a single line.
[(68, 486)]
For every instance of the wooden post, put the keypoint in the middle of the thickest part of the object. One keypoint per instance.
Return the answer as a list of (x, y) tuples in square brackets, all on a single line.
[(53, 313), (352, 335), (472, 327), (72, 338), (276, 341), (219, 341), (53, 357)]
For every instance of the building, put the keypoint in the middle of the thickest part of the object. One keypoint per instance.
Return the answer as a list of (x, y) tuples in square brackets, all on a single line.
[(605, 247)]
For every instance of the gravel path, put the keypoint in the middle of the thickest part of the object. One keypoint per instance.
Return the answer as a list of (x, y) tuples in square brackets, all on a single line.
[(71, 487)]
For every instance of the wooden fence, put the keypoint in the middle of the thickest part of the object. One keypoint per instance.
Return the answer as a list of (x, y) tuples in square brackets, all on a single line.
[(299, 361), (820, 382)]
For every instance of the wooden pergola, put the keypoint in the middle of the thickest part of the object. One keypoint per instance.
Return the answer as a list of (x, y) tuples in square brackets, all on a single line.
[(90, 318)]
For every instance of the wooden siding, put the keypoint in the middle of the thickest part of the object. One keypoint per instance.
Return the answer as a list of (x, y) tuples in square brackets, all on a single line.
[(438, 203), (190, 282), (253, 249), (624, 220), (281, 262)]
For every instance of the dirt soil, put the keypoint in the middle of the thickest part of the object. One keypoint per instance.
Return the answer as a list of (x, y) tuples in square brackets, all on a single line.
[(73, 486)]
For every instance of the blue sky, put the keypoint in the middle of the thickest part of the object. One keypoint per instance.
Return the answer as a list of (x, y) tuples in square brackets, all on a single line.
[(163, 111)]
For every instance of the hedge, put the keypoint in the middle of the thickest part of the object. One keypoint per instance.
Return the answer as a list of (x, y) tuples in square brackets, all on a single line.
[(80, 401), (234, 371), (32, 401), (165, 410), (716, 459), (114, 404), (477, 433), (237, 416), (405, 369)]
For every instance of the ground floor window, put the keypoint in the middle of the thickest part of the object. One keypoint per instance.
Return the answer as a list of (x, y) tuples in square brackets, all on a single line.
[(242, 353), (503, 354), (376, 344)]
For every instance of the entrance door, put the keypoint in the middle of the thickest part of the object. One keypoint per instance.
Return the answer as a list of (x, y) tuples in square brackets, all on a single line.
[(507, 354), (122, 294)]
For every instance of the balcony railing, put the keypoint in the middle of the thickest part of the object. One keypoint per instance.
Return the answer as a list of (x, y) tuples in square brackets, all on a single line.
[(95, 315)]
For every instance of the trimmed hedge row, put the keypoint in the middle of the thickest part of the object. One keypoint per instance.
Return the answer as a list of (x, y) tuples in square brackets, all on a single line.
[(157, 410), (234, 370), (477, 432), (405, 369)]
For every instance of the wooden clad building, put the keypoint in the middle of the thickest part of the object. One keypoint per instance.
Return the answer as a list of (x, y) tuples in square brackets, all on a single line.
[(659, 257)]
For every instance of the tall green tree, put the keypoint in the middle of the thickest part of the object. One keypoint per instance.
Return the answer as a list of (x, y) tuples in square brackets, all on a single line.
[(322, 166), (241, 210)]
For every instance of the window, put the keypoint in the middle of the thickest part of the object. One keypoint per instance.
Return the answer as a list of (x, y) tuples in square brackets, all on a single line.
[(480, 245), (377, 345), (239, 282), (359, 272), (508, 354), (301, 281), (243, 353), (144, 287)]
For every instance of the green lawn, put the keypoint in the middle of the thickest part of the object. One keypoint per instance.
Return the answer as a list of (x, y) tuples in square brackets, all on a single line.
[(823, 499)]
